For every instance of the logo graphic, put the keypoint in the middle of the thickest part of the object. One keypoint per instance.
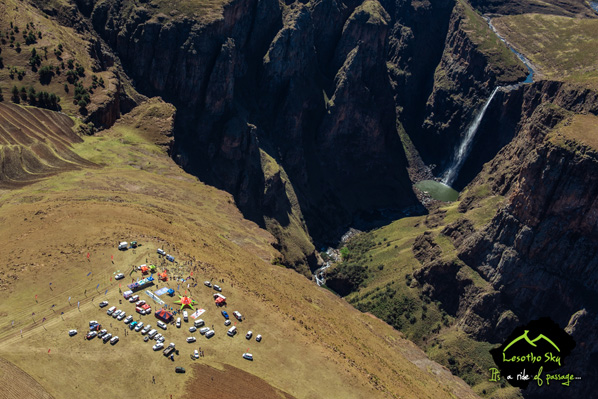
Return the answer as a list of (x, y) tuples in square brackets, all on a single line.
[(531, 353)]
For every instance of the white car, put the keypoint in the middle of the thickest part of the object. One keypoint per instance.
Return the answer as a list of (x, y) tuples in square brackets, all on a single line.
[(140, 303), (92, 322), (139, 326), (258, 338), (161, 339), (110, 311), (134, 298), (227, 322), (158, 346), (199, 323), (146, 329), (106, 337), (195, 354), (178, 322), (248, 335), (157, 337), (210, 334), (247, 356), (190, 339), (128, 319), (123, 246), (207, 283), (161, 252), (152, 334), (121, 316), (217, 288), (114, 340), (204, 330), (192, 329), (119, 276), (162, 325), (116, 313), (72, 332)]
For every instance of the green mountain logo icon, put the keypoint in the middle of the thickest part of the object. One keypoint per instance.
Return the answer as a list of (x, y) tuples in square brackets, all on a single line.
[(532, 342)]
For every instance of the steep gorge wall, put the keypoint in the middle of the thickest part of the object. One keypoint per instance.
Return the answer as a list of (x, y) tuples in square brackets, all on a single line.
[(281, 80), (539, 252)]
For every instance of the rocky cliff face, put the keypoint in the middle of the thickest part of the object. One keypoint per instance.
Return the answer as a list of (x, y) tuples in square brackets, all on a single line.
[(539, 252), (282, 79)]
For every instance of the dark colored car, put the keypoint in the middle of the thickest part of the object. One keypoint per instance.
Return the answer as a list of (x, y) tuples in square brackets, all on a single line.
[(225, 314), (179, 369)]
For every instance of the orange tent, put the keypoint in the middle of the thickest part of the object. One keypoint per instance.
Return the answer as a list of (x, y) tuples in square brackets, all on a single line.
[(144, 269), (163, 276)]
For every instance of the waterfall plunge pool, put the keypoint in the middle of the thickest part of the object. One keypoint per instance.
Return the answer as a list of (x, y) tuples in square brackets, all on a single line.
[(437, 190)]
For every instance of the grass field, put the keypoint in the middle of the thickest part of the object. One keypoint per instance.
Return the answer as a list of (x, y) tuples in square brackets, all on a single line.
[(315, 344), (55, 46), (562, 48)]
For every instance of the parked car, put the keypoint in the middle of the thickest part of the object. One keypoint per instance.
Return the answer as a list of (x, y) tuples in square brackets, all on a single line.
[(106, 337), (162, 325), (224, 314), (192, 329), (114, 340), (170, 257), (248, 356), (146, 338), (91, 335), (119, 276), (103, 304), (116, 313), (152, 334), (102, 333), (178, 322), (92, 322), (258, 338), (232, 331), (190, 339), (248, 335), (217, 288), (133, 324), (140, 303), (195, 354), (157, 337), (207, 283), (111, 310), (72, 333), (123, 246), (238, 315), (146, 329), (185, 316), (161, 252), (179, 369), (210, 334), (199, 323), (204, 330), (227, 323), (161, 339), (128, 319), (158, 346), (121, 316), (134, 298), (95, 327)]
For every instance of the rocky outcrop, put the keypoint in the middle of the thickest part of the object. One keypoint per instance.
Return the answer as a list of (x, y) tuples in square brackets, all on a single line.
[(259, 76), (472, 64), (538, 255)]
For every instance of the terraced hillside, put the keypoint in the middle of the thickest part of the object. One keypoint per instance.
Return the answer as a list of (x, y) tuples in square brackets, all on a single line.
[(35, 143)]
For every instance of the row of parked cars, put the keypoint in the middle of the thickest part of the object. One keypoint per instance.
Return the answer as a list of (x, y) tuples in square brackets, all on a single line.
[(95, 330)]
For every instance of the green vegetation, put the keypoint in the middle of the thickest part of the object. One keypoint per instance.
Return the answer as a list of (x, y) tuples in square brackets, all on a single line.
[(501, 59), (562, 48)]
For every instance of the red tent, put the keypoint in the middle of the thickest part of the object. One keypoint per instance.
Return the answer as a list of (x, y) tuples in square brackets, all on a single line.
[(146, 306), (144, 269), (164, 315)]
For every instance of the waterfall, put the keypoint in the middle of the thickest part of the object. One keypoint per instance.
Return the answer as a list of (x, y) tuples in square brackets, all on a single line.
[(462, 151)]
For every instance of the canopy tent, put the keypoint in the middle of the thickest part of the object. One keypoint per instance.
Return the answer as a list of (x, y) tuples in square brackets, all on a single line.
[(164, 315), (185, 301), (144, 269), (152, 268), (163, 276), (220, 301), (170, 292)]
